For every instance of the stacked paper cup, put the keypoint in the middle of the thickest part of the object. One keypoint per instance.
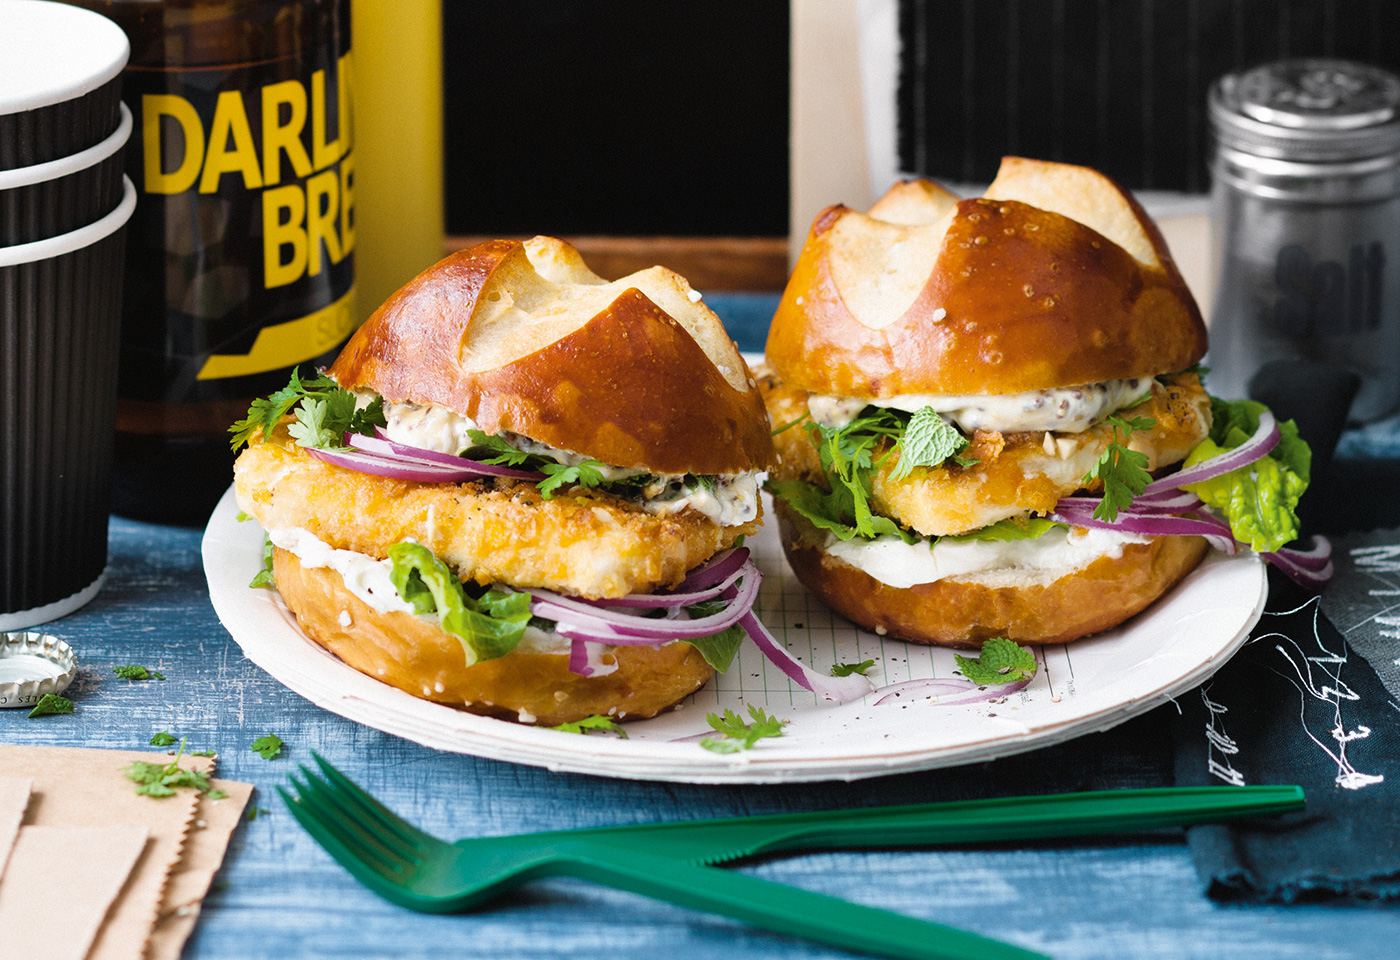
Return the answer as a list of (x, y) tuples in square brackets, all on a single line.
[(63, 207)]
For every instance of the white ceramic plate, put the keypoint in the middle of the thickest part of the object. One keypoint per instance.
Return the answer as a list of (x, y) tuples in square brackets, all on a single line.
[(1084, 687)]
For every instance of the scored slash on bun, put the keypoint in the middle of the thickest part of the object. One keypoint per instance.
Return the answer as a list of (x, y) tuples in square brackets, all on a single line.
[(522, 337), (1055, 277)]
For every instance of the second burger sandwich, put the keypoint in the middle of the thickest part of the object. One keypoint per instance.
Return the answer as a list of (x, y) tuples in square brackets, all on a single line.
[(991, 422), (520, 490)]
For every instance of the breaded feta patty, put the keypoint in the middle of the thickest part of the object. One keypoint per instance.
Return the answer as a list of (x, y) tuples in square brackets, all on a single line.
[(582, 542)]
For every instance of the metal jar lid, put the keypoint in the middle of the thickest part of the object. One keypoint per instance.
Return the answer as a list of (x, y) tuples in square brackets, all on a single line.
[(31, 665), (1310, 110)]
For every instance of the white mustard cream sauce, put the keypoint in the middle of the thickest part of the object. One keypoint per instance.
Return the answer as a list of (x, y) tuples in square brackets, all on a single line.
[(732, 502), (368, 579), (1060, 551), (1062, 409)]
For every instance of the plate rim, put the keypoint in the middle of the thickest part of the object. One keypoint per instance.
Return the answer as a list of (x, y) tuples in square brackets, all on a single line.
[(442, 727)]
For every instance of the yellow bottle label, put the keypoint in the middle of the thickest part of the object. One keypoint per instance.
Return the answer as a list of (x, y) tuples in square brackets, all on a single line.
[(240, 264)]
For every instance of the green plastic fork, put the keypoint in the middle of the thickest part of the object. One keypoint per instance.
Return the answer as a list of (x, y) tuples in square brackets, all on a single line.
[(416, 870)]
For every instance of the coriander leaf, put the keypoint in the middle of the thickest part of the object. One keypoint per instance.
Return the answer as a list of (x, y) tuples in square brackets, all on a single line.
[(163, 779), (501, 452), (587, 724), (928, 440), (324, 412), (586, 474), (792, 423), (846, 669), (51, 704), (134, 671), (1002, 661), (738, 735), (163, 739), (268, 747), (488, 627), (204, 753), (255, 812), (1123, 471)]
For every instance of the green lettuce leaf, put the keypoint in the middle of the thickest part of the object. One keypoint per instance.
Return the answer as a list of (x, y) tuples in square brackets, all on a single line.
[(1029, 528), (835, 510), (488, 627), (1259, 500)]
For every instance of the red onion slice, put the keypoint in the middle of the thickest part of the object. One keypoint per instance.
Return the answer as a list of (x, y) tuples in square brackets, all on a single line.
[(1199, 524), (1310, 568), (391, 449), (393, 468), (576, 618), (719, 567), (939, 687), (1265, 438), (840, 689)]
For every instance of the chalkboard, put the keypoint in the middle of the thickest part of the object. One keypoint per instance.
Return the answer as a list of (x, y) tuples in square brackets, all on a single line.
[(1119, 85), (621, 117)]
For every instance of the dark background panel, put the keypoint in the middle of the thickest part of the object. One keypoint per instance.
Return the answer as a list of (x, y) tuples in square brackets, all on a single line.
[(616, 117), (1115, 84)]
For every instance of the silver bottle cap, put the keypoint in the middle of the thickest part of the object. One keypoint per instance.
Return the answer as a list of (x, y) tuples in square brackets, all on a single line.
[(31, 665), (1311, 110)]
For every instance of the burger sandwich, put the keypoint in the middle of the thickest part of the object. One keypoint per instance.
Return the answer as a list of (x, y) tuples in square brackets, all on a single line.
[(521, 490), (991, 422)]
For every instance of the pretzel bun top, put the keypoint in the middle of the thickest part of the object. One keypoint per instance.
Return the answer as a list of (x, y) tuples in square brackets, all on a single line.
[(523, 337), (1055, 277)]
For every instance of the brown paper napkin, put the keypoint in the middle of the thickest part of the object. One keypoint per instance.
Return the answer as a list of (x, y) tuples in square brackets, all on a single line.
[(59, 887), (14, 798), (214, 823), (81, 788)]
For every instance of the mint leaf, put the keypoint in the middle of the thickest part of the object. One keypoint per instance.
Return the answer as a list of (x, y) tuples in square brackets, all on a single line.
[(846, 669), (1123, 471), (163, 739), (928, 440), (51, 704), (588, 724), (719, 649), (268, 747), (738, 735), (1002, 661)]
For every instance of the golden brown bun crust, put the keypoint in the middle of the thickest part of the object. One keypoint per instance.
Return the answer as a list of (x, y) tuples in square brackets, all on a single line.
[(955, 613), (418, 658), (1019, 298), (630, 387)]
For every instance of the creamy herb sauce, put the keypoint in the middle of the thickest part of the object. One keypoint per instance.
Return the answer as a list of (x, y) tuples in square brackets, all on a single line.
[(1062, 410), (1060, 551), (732, 501)]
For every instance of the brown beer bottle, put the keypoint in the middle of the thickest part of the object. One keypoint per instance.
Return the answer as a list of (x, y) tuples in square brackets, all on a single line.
[(239, 262)]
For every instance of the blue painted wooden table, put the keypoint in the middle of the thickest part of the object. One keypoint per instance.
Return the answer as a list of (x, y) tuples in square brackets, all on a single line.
[(280, 896)]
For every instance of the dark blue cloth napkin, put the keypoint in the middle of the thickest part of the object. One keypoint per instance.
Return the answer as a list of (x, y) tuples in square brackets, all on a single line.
[(1297, 705)]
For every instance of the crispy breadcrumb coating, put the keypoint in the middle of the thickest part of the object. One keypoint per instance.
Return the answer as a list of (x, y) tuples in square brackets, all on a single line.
[(1017, 473), (581, 542)]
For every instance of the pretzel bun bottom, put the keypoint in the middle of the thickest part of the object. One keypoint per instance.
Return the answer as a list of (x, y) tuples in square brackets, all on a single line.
[(962, 612), (412, 654)]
